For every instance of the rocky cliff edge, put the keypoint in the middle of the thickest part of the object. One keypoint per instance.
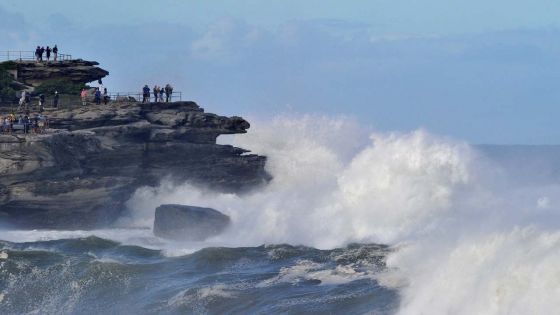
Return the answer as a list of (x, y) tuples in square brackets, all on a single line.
[(80, 173)]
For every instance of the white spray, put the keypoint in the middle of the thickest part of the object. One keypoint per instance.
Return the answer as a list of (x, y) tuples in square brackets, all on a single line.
[(468, 243)]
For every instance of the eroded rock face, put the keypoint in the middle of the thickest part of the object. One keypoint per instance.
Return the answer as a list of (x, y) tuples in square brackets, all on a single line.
[(81, 174), (188, 223), (33, 73)]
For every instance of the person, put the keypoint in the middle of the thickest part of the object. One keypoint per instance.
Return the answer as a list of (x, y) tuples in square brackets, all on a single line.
[(146, 94), (97, 96), (37, 51), (41, 52), (161, 94), (105, 96), (22, 100), (41, 102), (36, 124), (26, 123), (48, 53), (55, 52), (156, 93), (55, 100), (84, 95), (167, 92)]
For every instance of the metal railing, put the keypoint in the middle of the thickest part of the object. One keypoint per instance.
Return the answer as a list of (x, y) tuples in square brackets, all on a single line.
[(21, 55), (138, 96), (74, 101)]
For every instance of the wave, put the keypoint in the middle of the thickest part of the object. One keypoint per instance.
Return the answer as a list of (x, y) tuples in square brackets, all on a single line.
[(98, 276), (470, 229), (463, 218)]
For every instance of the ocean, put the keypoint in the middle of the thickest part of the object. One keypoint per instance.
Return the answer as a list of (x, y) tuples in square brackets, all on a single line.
[(354, 222)]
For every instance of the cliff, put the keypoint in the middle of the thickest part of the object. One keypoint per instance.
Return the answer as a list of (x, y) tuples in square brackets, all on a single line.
[(31, 74), (80, 174)]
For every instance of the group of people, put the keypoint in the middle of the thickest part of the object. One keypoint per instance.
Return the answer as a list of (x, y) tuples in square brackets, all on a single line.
[(40, 51), (99, 94), (25, 99), (24, 122), (158, 92)]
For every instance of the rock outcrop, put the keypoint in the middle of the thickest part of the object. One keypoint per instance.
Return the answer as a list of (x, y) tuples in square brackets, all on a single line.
[(80, 173), (188, 223), (33, 74)]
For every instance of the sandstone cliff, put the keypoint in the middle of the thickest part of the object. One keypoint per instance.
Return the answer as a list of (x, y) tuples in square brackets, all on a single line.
[(81, 174), (30, 74)]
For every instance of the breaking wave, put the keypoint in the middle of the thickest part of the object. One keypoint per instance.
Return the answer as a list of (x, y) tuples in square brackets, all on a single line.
[(467, 230), (473, 234)]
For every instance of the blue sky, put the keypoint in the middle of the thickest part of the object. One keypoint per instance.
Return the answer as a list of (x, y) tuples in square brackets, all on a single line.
[(485, 72)]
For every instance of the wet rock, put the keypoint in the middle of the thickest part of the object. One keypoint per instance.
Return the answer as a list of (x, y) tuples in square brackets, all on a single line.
[(189, 223)]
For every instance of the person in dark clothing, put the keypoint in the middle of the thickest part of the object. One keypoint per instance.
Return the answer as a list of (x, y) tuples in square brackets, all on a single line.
[(26, 123), (97, 96), (37, 51), (55, 99), (55, 52), (146, 94), (48, 53), (41, 52), (105, 96), (156, 92), (168, 91)]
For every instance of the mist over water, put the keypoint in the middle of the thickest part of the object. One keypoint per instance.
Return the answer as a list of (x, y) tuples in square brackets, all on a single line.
[(473, 234)]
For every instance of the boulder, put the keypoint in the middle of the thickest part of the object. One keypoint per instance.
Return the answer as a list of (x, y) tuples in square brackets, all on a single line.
[(189, 223)]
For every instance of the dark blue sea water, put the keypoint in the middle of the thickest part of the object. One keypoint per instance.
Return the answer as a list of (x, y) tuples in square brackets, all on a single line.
[(97, 276)]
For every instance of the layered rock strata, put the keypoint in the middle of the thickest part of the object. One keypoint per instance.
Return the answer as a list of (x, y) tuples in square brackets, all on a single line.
[(80, 173), (33, 74)]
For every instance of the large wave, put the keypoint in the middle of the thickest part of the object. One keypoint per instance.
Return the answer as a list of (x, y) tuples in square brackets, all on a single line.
[(468, 240)]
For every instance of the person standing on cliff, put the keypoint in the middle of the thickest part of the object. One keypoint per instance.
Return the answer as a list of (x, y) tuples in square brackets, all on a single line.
[(156, 93), (168, 92), (41, 52), (22, 100), (37, 51), (41, 102), (97, 96), (161, 94), (105, 96), (48, 54), (55, 52), (146, 94), (55, 99), (84, 95)]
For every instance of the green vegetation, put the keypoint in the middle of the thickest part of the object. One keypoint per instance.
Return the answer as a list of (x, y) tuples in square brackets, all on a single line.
[(8, 65), (7, 93), (60, 85)]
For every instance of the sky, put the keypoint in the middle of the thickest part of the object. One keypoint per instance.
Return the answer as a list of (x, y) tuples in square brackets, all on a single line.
[(479, 71)]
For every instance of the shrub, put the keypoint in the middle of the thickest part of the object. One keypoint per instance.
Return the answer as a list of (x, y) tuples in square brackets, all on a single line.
[(7, 93), (60, 85), (8, 65)]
